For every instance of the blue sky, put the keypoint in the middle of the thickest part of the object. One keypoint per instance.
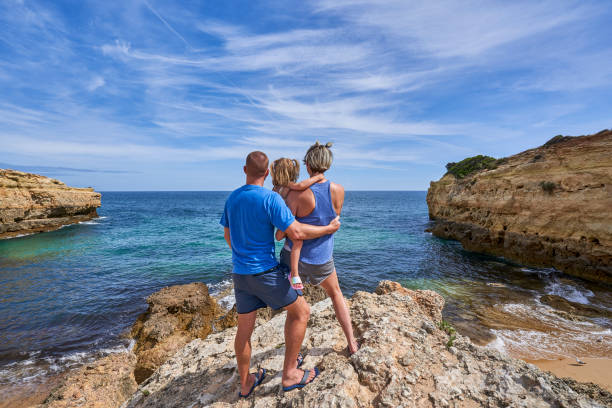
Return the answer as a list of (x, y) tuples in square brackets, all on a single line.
[(166, 95)]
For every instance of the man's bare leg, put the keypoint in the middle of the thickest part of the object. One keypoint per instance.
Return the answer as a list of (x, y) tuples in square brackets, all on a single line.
[(332, 288), (295, 328), (242, 346)]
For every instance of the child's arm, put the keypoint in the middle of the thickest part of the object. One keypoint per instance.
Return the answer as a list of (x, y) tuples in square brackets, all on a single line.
[(296, 249), (303, 185)]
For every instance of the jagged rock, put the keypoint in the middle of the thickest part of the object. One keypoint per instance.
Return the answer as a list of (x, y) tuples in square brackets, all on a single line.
[(106, 383), (176, 315), (548, 206), (30, 203), (399, 364)]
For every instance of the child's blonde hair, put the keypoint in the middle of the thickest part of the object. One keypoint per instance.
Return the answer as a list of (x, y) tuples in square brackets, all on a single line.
[(284, 171)]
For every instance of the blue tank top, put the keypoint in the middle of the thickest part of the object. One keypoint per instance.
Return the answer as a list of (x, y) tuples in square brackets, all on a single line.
[(319, 250)]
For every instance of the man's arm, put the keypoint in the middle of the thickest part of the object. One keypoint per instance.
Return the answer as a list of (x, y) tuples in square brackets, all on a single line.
[(226, 234), (297, 230)]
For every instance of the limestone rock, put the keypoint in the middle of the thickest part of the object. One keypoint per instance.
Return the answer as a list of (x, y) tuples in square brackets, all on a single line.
[(403, 362), (176, 315), (548, 206), (31, 203), (106, 383)]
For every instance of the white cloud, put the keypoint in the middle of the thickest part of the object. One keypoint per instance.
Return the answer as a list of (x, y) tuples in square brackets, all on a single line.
[(95, 83), (450, 28)]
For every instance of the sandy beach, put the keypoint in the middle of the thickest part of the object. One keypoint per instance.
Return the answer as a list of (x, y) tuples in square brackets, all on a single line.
[(596, 370)]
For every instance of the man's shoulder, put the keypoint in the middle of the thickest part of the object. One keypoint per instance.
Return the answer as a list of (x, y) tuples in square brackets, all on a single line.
[(250, 190)]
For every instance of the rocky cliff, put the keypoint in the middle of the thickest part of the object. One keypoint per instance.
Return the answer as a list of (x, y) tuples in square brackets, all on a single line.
[(407, 359), (548, 206), (31, 203), (175, 316)]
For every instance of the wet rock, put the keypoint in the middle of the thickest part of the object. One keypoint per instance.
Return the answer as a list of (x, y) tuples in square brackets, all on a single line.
[(30, 203), (553, 211), (574, 308), (396, 365)]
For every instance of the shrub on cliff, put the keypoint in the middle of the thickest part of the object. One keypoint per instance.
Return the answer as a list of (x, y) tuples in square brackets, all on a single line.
[(472, 164), (548, 186), (557, 139)]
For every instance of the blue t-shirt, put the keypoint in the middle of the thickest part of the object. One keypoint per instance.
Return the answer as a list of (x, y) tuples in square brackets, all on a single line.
[(251, 213)]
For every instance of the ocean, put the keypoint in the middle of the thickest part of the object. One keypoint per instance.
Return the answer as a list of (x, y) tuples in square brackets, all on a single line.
[(70, 296)]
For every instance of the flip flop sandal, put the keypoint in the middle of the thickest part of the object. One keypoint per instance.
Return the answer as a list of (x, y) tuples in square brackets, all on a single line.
[(348, 350), (304, 382), (300, 360), (258, 380)]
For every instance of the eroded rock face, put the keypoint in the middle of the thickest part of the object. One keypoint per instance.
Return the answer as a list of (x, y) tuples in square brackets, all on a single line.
[(403, 361), (106, 383), (176, 315), (549, 206), (31, 203)]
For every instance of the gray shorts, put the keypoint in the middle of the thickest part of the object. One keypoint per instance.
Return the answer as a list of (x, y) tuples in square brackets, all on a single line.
[(309, 273)]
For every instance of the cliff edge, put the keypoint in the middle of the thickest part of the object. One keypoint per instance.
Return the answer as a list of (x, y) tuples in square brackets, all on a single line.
[(548, 206), (31, 203), (407, 358)]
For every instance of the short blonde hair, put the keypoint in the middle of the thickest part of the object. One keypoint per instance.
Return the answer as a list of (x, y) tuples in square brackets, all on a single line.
[(319, 158), (284, 171)]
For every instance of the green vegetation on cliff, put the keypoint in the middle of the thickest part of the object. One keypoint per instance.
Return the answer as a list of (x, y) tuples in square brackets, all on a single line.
[(471, 165)]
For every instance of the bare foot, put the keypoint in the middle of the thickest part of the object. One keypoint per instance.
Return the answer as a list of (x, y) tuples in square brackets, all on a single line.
[(353, 347)]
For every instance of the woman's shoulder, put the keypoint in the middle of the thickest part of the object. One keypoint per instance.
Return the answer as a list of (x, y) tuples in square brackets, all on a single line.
[(336, 188)]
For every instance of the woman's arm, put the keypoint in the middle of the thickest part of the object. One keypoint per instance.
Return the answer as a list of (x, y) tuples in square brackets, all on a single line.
[(303, 185)]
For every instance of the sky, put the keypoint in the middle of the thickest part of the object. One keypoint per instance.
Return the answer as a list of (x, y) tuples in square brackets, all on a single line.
[(167, 95)]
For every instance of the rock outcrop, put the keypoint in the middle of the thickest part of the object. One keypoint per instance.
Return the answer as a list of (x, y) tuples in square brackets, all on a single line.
[(178, 314), (548, 206), (405, 360), (175, 316), (31, 203), (105, 383)]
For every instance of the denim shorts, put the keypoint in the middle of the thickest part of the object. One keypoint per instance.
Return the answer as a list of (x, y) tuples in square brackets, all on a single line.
[(270, 288)]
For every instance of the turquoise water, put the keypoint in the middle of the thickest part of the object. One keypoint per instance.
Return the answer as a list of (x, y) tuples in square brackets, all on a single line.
[(69, 295)]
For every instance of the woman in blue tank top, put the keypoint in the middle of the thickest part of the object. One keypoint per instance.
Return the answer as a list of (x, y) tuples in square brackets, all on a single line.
[(318, 206)]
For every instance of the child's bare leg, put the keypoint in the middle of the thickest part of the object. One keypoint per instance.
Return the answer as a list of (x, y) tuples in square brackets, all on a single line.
[(296, 249)]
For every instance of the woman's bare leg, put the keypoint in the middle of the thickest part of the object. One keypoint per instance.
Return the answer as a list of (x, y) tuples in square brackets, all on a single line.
[(332, 288)]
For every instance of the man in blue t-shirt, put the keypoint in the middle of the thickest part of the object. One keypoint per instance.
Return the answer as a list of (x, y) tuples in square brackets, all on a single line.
[(250, 215)]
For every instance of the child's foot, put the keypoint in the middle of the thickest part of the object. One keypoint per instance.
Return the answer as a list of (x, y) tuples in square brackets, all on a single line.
[(296, 282)]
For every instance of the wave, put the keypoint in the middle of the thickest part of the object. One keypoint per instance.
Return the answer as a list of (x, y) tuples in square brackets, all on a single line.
[(538, 332), (225, 298), (574, 292), (36, 368)]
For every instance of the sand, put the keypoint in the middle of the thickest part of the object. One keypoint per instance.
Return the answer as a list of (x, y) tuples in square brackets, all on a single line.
[(596, 370)]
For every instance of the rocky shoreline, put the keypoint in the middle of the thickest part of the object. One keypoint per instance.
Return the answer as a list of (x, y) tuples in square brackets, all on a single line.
[(409, 357), (548, 206), (30, 203)]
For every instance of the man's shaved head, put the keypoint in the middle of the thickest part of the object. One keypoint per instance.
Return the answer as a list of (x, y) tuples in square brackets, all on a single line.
[(256, 164)]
